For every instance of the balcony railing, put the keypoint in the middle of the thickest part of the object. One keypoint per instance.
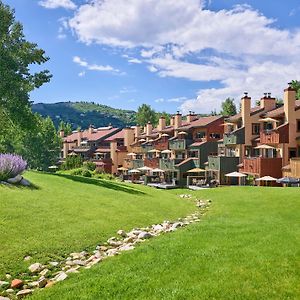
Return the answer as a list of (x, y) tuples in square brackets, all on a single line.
[(224, 163), (179, 144), (168, 164), (137, 163), (263, 166), (275, 136), (147, 147), (235, 137)]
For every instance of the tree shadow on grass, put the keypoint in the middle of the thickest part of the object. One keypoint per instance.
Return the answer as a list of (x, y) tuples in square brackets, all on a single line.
[(103, 183)]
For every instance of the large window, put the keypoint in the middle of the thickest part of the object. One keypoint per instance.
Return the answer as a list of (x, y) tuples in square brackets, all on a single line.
[(201, 135), (255, 128)]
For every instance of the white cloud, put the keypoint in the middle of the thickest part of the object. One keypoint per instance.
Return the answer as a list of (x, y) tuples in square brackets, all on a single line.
[(81, 74), (127, 90), (159, 100), (95, 67), (52, 4), (240, 48)]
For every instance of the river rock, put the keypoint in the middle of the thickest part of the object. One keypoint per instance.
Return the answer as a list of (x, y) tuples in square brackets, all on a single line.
[(42, 282), (122, 233), (16, 283), (4, 284), (4, 298), (60, 276), (25, 182), (24, 293), (15, 180), (144, 235), (35, 268)]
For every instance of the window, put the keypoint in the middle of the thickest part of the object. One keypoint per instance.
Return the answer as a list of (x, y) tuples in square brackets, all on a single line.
[(255, 128), (268, 126), (298, 125), (215, 135), (201, 135), (292, 152)]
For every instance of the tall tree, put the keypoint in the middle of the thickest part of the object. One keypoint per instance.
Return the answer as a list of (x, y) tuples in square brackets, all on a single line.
[(65, 126), (16, 79), (228, 107), (146, 114), (296, 86)]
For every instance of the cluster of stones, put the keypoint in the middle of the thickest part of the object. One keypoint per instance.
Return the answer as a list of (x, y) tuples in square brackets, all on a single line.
[(44, 276), (19, 179)]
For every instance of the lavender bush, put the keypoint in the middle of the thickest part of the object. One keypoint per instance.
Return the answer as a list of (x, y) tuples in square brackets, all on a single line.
[(11, 165)]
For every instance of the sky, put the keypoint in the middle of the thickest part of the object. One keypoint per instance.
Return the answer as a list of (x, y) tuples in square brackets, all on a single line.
[(171, 54)]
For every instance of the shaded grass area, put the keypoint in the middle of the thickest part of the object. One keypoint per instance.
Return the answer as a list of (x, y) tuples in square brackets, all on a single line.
[(66, 213), (246, 247)]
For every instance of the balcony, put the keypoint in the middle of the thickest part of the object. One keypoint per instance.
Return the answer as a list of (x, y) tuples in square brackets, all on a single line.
[(278, 135), (151, 162), (147, 147), (263, 166), (168, 164), (137, 163), (179, 144), (235, 137), (226, 164)]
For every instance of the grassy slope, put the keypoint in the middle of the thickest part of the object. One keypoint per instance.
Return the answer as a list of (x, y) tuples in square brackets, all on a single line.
[(65, 215), (246, 247)]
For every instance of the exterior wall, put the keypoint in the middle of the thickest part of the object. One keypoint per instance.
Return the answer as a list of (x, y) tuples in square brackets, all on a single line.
[(276, 136), (295, 167), (151, 162), (114, 156)]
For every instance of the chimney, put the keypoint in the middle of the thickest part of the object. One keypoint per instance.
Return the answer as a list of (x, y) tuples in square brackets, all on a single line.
[(191, 117), (148, 129), (172, 121), (128, 137), (137, 131), (79, 137), (177, 120), (65, 149), (245, 112), (289, 102), (267, 102), (91, 129), (114, 156), (161, 123), (62, 134)]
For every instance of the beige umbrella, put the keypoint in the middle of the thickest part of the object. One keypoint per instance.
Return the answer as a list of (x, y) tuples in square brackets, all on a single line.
[(142, 140), (72, 154), (165, 134), (122, 169), (167, 151), (264, 147), (145, 168), (266, 178), (227, 124), (235, 174), (131, 154), (134, 171), (153, 150), (182, 132), (158, 171), (196, 170), (268, 120)]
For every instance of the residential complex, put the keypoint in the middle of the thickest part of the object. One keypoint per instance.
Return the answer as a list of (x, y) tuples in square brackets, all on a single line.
[(258, 141)]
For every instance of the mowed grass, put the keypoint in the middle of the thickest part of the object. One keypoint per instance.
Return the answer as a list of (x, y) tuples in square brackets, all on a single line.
[(246, 247), (67, 214)]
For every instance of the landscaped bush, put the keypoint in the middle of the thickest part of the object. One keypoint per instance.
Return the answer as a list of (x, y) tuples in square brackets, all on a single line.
[(90, 165), (11, 165), (76, 172), (86, 173), (72, 162)]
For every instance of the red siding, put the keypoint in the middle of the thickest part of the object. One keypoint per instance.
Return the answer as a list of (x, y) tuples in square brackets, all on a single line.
[(261, 166), (151, 163), (276, 136)]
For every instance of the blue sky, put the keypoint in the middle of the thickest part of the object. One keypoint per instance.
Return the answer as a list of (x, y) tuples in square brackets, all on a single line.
[(184, 54)]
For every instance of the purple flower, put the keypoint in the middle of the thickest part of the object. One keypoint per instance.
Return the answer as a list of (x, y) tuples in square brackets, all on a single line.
[(11, 165)]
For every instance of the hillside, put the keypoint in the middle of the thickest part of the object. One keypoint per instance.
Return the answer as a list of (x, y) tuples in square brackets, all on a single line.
[(85, 113)]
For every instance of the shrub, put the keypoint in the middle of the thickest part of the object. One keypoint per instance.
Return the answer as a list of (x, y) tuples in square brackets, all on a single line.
[(11, 165), (76, 172), (89, 165), (86, 173), (72, 162)]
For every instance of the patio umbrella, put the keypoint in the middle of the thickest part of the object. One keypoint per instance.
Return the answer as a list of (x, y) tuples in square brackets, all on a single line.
[(72, 154), (134, 171), (122, 169), (164, 134), (158, 171), (266, 178), (268, 120), (167, 151), (264, 147), (288, 180), (182, 132), (153, 150), (131, 154), (145, 168), (142, 140), (235, 174), (196, 170)]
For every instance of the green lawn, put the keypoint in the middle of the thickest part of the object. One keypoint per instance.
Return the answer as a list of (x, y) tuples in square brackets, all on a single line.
[(67, 214), (246, 247)]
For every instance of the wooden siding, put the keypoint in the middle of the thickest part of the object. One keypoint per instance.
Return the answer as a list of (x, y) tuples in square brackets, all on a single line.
[(151, 162), (295, 167), (275, 136), (235, 137), (262, 166)]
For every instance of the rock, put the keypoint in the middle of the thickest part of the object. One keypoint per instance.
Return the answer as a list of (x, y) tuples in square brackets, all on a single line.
[(35, 268), (27, 258), (144, 235), (102, 248), (4, 284), (16, 283), (25, 182), (53, 263), (122, 233), (157, 227), (60, 276), (129, 239), (15, 180), (44, 272), (4, 298), (75, 255), (79, 262), (73, 270), (42, 282), (178, 224), (70, 263), (24, 293), (49, 284), (114, 243), (33, 284), (126, 247), (9, 291), (8, 276), (112, 252)]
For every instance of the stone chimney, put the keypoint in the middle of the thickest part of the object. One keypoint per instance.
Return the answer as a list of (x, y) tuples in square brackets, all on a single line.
[(161, 123), (245, 112), (65, 149), (289, 102), (172, 121), (191, 117), (267, 102), (137, 131), (177, 120), (91, 129), (149, 128), (114, 156), (62, 134), (79, 137), (128, 137)]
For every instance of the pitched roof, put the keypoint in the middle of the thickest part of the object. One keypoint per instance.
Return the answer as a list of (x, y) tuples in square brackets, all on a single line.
[(253, 111), (279, 111), (118, 135), (94, 136), (201, 122)]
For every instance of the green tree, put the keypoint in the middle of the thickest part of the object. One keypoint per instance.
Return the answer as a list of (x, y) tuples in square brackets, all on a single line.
[(146, 114), (296, 86), (228, 107), (16, 79), (65, 126)]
